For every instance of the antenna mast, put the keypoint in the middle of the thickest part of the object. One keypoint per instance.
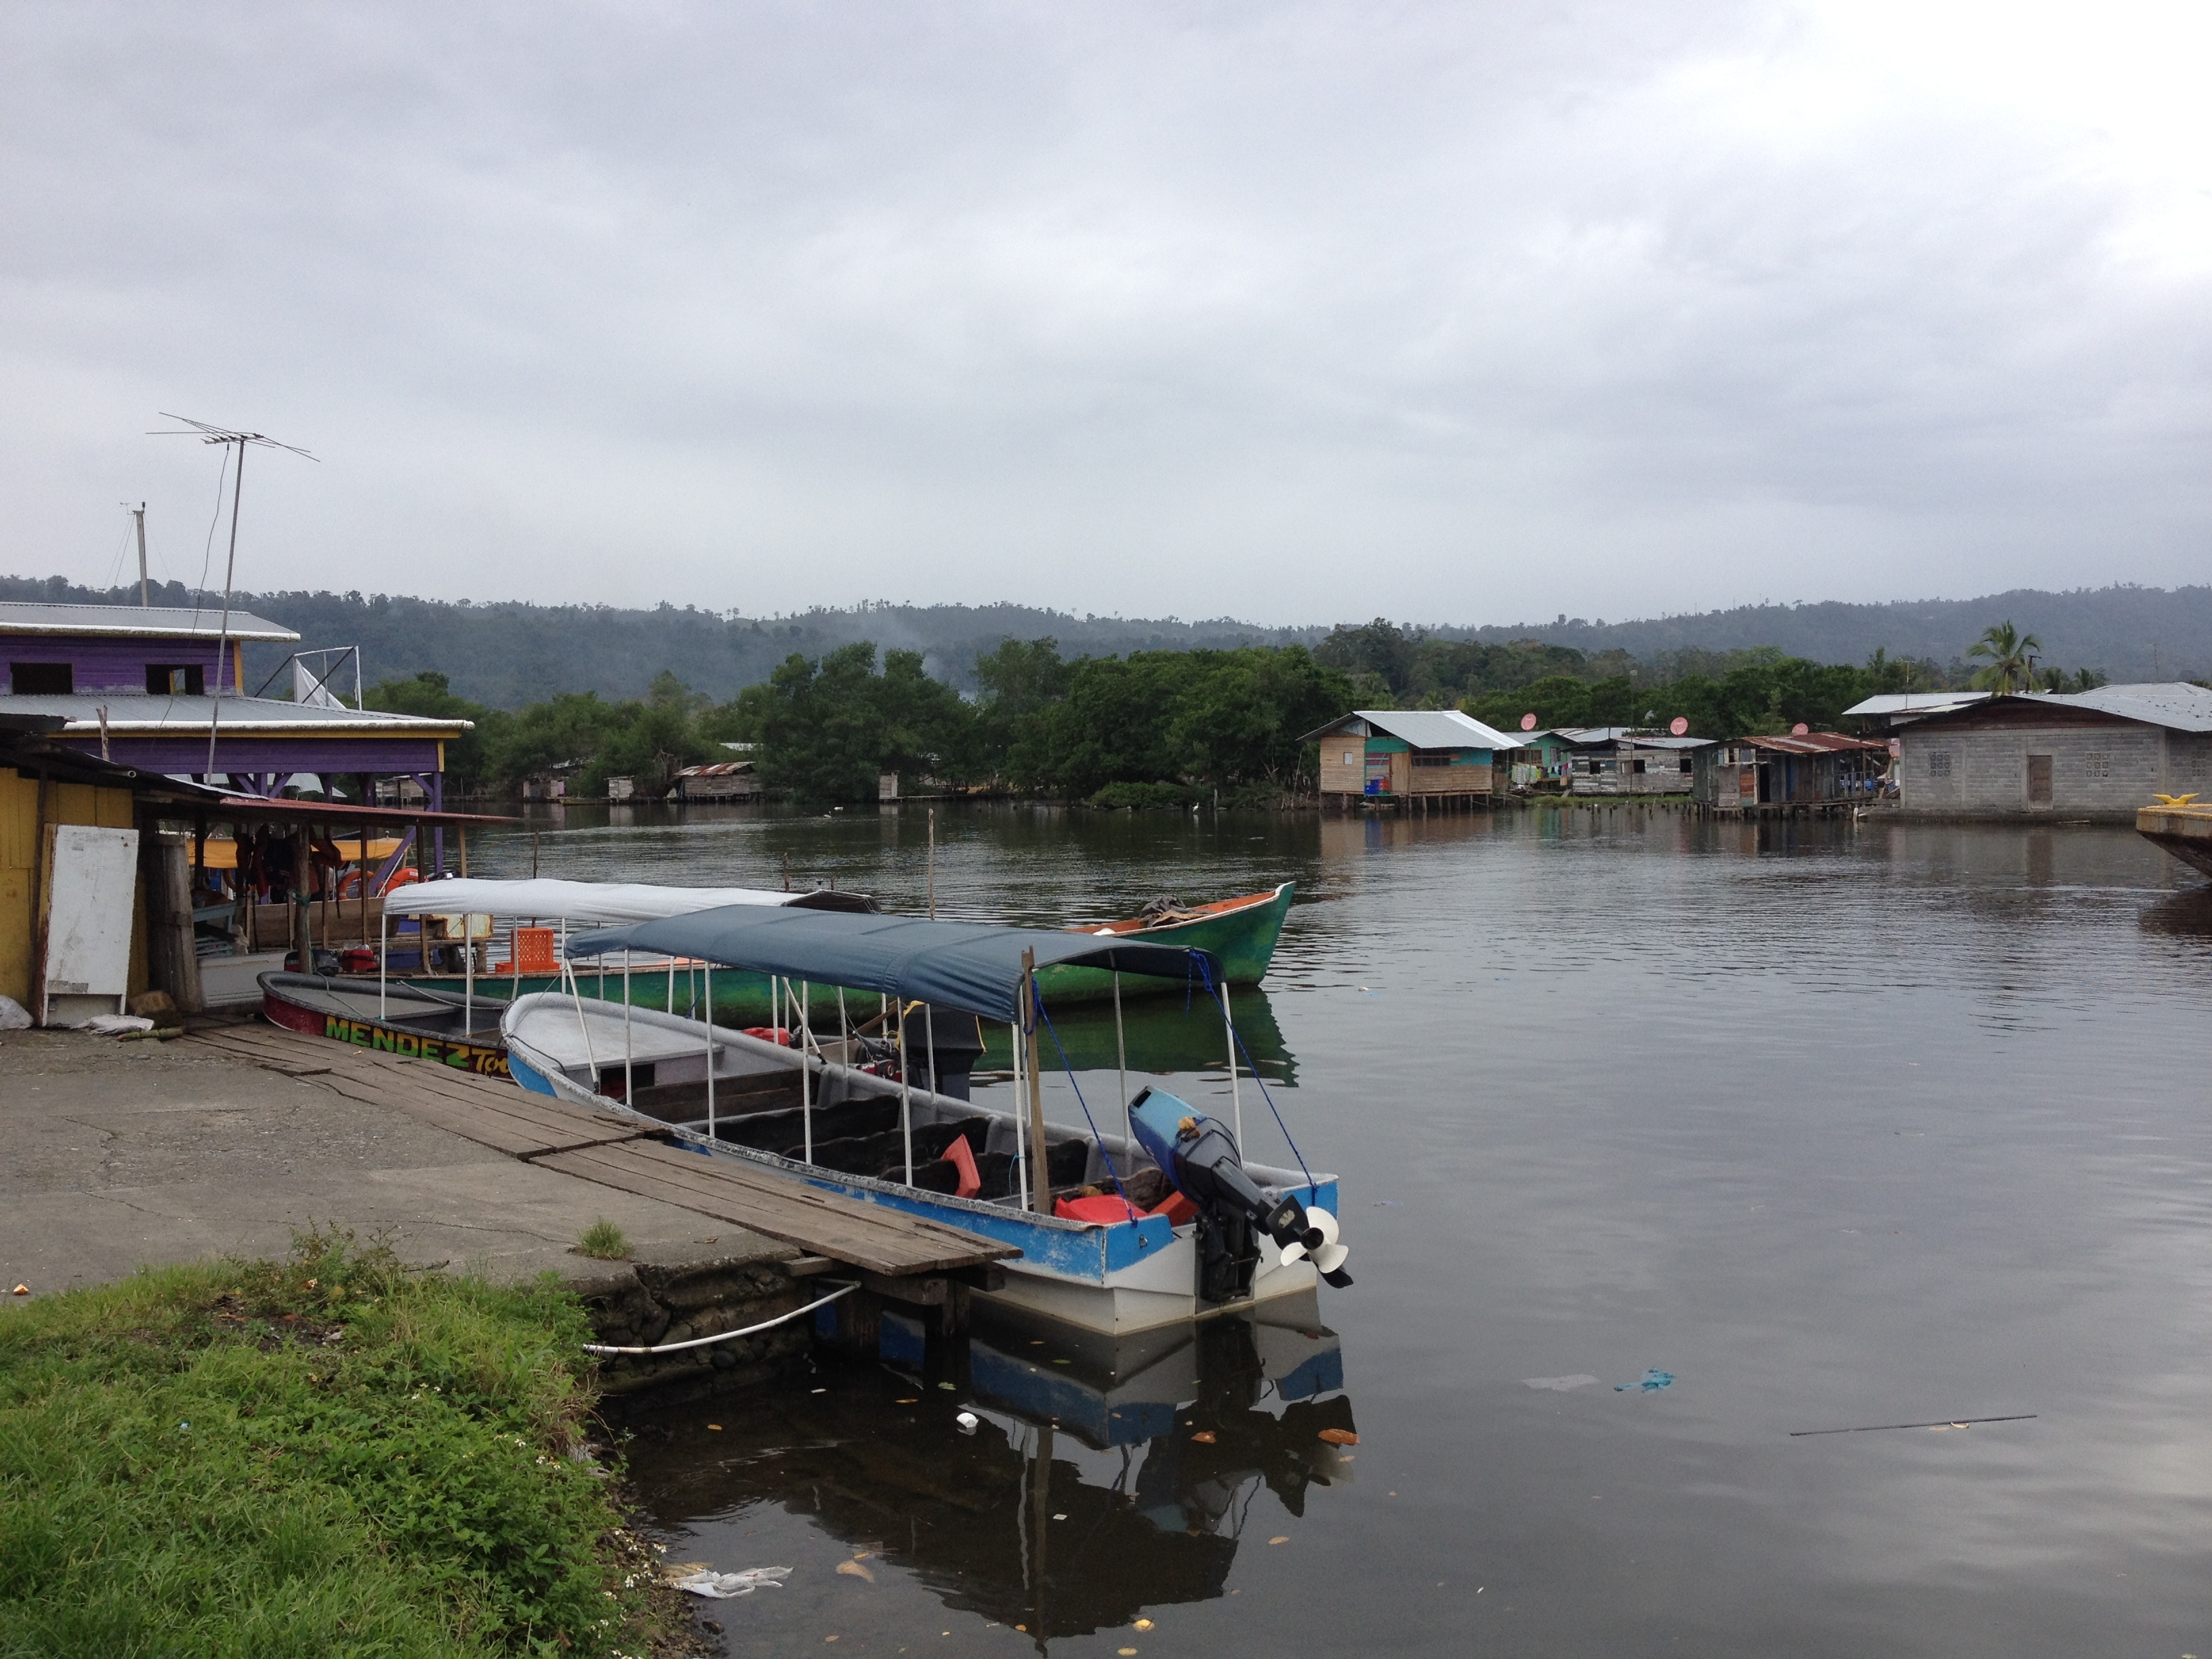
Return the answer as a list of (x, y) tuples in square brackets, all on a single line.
[(222, 434), (139, 513)]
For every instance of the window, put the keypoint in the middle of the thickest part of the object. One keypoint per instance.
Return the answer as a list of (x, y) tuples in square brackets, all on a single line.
[(1686, 761), (1352, 757), (170, 680), (1939, 764), (42, 679), (1439, 757), (1639, 765), (2098, 765)]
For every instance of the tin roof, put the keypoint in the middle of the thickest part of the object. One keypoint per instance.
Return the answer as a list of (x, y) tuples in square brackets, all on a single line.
[(2177, 705), (1424, 728), (135, 714), (1587, 737), (137, 622), (1816, 743), (717, 769), (1914, 702)]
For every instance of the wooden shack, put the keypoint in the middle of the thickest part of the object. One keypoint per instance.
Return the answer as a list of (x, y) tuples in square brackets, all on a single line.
[(1616, 760), (1396, 756), (1799, 773)]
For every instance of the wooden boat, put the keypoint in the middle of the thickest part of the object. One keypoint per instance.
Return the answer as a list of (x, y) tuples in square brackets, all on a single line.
[(393, 1019), (1111, 1241), (1238, 933), (2183, 826)]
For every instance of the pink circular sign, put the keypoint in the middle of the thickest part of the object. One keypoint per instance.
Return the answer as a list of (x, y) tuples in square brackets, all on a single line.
[(1677, 725), (1528, 722), (1799, 729)]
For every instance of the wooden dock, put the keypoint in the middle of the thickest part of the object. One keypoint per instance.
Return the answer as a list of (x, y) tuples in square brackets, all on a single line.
[(887, 1244)]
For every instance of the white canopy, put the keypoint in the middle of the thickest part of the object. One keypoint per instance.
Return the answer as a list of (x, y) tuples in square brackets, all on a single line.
[(614, 904)]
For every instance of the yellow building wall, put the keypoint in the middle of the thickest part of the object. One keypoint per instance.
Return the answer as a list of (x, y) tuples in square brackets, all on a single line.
[(66, 802)]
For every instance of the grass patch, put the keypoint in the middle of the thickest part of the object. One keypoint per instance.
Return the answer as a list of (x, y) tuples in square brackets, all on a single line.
[(603, 1242), (330, 1454)]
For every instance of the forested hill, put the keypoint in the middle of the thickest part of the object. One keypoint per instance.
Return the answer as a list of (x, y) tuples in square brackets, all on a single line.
[(510, 654)]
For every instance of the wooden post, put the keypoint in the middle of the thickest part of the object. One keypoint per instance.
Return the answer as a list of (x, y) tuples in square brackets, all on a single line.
[(1040, 1175), (302, 917), (172, 964)]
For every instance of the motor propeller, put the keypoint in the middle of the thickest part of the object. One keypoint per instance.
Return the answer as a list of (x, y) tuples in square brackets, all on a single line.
[(1319, 1242)]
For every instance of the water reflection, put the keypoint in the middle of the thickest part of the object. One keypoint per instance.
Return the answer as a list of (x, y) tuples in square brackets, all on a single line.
[(1100, 1482)]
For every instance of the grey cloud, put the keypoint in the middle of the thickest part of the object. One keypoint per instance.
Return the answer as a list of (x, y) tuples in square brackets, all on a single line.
[(1291, 313)]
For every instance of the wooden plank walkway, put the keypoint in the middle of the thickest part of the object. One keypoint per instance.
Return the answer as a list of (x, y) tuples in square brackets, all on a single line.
[(608, 1151)]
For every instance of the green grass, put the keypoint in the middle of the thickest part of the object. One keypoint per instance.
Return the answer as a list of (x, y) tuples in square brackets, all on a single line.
[(330, 1454), (604, 1241)]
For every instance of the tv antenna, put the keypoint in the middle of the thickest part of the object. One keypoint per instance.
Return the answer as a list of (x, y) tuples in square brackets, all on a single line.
[(244, 440)]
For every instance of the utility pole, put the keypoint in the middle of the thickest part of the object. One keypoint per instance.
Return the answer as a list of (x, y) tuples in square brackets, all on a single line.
[(139, 513)]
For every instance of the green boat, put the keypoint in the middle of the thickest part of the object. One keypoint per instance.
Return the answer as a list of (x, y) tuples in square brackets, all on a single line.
[(1240, 932)]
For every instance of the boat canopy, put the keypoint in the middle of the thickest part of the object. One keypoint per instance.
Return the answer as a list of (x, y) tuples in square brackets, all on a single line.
[(595, 903), (970, 966)]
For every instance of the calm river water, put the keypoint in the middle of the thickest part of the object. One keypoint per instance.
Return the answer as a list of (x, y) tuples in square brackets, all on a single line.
[(1842, 1128)]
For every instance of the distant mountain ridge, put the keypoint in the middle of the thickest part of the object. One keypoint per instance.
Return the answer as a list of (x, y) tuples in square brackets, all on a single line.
[(509, 653)]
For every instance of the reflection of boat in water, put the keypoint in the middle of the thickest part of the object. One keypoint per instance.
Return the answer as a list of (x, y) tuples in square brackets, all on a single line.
[(1083, 1498), (1172, 1037)]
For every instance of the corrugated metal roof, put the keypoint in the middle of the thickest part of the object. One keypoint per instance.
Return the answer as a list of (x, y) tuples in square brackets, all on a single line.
[(2175, 704), (717, 769), (1591, 736), (1914, 702), (132, 621), (1816, 743), (1424, 728), (140, 715)]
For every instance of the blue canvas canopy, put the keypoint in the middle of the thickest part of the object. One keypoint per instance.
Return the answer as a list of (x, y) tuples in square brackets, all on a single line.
[(970, 965)]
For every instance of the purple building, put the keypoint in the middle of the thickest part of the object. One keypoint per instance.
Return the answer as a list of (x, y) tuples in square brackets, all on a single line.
[(142, 687)]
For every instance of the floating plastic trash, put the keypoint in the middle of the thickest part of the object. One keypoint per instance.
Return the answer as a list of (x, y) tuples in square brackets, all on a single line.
[(700, 1580), (1561, 1383), (968, 1422), (1652, 1382), (855, 1570)]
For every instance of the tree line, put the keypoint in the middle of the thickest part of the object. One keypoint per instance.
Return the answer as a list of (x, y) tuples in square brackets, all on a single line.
[(1150, 728)]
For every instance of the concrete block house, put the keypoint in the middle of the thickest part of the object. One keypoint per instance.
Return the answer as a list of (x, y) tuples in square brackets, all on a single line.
[(2096, 755)]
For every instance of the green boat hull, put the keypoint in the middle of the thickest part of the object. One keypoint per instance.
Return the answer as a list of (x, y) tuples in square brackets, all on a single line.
[(1242, 940)]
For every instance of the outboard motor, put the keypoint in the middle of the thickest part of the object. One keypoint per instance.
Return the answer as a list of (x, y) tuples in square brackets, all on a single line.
[(1199, 1157)]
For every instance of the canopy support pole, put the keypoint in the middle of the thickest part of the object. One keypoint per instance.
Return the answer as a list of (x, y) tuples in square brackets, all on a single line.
[(929, 1037), (805, 1077), (906, 1098), (1021, 1127), (468, 978), (1121, 1061), (383, 958), (629, 1092), (1236, 1101), (1040, 1173), (708, 1022)]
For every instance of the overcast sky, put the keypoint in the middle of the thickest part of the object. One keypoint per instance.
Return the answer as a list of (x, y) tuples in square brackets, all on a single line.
[(1457, 312)]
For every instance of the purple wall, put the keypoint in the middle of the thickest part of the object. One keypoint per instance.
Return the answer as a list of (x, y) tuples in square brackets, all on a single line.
[(381, 753), (109, 666)]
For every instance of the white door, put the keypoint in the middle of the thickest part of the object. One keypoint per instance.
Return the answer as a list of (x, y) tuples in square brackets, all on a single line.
[(91, 886)]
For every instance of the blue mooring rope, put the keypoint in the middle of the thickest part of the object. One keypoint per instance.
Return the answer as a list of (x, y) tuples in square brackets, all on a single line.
[(1036, 1001)]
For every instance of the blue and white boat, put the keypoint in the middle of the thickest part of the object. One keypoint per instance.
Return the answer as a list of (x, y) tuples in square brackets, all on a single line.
[(1152, 1220)]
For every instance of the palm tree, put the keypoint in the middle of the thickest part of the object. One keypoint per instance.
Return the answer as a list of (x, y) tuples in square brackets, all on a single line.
[(2009, 651)]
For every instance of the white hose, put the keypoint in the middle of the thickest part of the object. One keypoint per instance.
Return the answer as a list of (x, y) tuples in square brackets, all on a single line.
[(723, 1336)]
